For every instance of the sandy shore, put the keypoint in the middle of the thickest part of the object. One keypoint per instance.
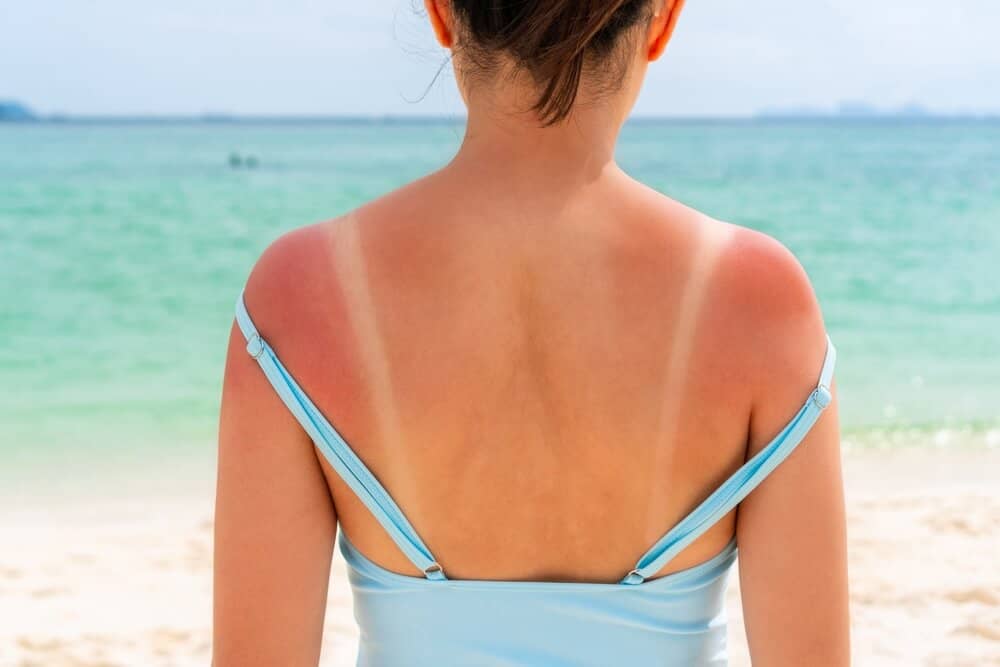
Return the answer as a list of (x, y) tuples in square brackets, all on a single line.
[(129, 583)]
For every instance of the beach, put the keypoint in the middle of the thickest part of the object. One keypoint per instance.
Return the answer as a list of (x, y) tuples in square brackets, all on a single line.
[(112, 579)]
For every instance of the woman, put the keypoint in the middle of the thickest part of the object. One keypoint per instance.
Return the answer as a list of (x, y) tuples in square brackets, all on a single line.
[(532, 391)]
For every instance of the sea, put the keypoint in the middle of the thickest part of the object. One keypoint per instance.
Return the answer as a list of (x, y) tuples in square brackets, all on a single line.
[(123, 246)]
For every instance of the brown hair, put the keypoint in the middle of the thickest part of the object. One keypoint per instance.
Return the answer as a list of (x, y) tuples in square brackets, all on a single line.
[(551, 39)]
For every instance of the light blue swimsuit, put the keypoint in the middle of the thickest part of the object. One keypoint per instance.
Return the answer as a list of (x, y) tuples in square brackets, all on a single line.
[(678, 619)]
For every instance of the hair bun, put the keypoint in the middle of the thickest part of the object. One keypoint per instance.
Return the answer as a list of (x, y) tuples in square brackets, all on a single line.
[(551, 39)]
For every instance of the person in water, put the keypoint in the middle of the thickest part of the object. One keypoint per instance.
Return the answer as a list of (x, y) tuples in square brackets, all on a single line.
[(543, 405)]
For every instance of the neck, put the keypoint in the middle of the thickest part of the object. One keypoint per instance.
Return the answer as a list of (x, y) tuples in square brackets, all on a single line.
[(503, 143)]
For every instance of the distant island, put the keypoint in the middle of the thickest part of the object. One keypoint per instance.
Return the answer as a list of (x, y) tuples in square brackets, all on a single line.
[(851, 109), (15, 111)]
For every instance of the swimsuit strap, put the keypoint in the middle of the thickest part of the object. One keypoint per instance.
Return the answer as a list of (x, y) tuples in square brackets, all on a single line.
[(742, 482), (336, 450)]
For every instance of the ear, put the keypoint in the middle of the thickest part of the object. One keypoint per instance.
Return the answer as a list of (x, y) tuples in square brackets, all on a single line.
[(439, 12), (662, 27)]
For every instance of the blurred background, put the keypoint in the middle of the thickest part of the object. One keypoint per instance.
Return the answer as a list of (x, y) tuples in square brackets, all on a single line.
[(148, 154)]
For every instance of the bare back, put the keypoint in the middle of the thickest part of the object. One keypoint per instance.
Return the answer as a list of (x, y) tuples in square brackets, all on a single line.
[(544, 377)]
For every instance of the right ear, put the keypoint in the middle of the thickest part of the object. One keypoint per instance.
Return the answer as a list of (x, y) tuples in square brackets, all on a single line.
[(662, 28), (440, 14)]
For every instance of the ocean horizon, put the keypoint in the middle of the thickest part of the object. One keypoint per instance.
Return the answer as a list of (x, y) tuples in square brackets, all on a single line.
[(123, 246), (761, 116)]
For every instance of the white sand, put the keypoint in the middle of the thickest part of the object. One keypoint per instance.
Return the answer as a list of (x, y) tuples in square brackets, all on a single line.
[(112, 583)]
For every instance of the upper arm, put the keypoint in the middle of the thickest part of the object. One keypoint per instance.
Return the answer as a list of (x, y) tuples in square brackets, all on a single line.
[(792, 529), (275, 522)]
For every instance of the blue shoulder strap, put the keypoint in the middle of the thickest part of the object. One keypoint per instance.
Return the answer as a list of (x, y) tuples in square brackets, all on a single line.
[(336, 450), (742, 482)]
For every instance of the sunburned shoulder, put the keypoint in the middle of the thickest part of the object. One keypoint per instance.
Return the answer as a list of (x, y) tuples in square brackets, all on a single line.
[(761, 295), (296, 265), (759, 279), (761, 307), (778, 327), (291, 271), (767, 280)]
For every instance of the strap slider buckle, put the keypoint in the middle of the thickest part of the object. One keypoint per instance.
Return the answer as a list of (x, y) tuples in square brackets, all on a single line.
[(633, 577), (821, 396), (255, 346), (434, 570)]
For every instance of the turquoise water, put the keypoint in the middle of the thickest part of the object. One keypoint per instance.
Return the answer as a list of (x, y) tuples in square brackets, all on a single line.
[(122, 249)]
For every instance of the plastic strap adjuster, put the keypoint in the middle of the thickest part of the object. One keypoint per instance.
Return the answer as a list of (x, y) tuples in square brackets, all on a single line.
[(633, 578), (255, 346), (434, 571), (821, 396)]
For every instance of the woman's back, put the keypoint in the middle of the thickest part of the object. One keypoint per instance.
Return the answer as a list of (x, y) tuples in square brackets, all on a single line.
[(489, 365), (546, 366)]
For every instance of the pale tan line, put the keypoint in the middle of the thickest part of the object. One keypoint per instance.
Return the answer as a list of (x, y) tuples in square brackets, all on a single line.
[(353, 279), (711, 241)]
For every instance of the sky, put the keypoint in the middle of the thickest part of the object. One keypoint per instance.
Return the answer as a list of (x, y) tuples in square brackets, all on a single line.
[(332, 57)]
